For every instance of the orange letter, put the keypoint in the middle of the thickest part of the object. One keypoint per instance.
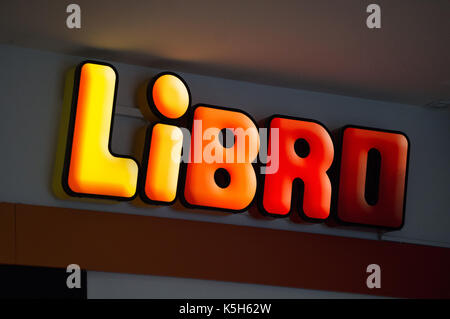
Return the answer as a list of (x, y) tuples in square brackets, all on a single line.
[(168, 96), (221, 177), (305, 152)]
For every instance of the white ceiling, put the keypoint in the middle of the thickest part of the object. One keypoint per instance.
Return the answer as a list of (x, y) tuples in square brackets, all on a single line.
[(321, 45)]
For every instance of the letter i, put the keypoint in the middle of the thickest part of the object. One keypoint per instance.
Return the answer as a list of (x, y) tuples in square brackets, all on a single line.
[(169, 98)]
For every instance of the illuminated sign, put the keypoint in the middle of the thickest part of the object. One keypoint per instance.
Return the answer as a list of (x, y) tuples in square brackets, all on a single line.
[(224, 161)]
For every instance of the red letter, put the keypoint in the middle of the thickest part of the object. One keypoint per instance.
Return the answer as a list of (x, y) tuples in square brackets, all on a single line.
[(305, 152), (386, 207)]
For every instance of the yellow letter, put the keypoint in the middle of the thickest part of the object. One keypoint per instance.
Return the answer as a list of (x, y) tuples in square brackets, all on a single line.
[(163, 163), (91, 170)]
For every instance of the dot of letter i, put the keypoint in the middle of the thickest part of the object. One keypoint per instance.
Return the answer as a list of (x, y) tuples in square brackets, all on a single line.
[(169, 98)]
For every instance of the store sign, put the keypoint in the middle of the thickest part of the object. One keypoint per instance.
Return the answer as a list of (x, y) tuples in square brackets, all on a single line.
[(225, 162)]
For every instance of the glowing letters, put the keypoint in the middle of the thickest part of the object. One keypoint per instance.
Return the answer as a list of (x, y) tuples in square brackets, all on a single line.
[(222, 158)]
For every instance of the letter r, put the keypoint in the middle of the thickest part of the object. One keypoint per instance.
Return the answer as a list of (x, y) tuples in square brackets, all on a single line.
[(305, 152)]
